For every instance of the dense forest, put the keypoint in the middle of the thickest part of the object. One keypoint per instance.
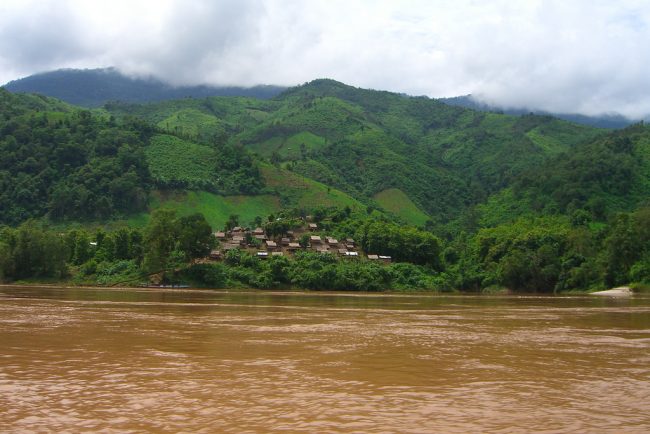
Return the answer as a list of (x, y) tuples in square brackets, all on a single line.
[(70, 164), (543, 254), (460, 199)]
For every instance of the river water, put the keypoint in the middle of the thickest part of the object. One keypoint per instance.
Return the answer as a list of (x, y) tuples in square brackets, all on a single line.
[(80, 360)]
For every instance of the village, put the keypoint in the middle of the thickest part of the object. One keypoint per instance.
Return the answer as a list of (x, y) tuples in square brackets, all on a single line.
[(304, 238)]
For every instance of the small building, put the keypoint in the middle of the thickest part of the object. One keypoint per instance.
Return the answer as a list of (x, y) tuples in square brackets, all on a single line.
[(238, 239), (349, 241), (258, 231), (230, 246), (351, 254), (331, 241), (260, 237), (342, 252), (349, 246), (262, 255), (271, 245), (220, 235), (312, 226), (293, 246), (385, 259), (315, 239), (237, 229), (285, 241), (373, 257), (215, 254), (290, 234), (277, 254)]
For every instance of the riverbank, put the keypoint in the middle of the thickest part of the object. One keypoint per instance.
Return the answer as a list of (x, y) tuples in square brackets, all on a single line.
[(614, 292)]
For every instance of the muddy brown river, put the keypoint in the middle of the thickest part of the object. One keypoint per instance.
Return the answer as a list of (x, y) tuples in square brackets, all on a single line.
[(75, 360)]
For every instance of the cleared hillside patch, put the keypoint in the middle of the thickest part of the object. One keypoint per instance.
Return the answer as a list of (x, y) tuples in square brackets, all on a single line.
[(193, 123), (215, 208), (297, 191), (177, 163), (397, 202)]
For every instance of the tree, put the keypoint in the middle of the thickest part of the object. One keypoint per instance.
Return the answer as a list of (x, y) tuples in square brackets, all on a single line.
[(195, 237), (233, 221), (159, 239)]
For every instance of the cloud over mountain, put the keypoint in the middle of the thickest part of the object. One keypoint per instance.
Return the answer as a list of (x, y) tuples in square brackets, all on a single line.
[(579, 56)]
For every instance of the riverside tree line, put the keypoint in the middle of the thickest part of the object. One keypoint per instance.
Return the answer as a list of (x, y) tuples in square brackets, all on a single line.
[(543, 254)]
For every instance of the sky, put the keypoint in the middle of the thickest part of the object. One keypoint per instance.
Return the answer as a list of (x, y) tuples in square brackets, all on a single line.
[(572, 56)]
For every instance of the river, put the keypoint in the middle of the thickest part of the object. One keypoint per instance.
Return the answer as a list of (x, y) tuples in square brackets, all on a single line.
[(85, 360)]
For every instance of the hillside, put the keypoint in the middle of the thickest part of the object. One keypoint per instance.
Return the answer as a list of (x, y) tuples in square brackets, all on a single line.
[(444, 159), (530, 203), (71, 165), (95, 87), (326, 143)]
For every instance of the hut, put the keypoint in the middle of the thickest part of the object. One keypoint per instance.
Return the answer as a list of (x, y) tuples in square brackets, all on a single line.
[(258, 231), (220, 236), (312, 226), (215, 254), (293, 246), (271, 245), (315, 239), (373, 257)]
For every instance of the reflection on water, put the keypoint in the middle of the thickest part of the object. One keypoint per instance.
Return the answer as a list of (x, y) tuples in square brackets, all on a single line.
[(119, 361)]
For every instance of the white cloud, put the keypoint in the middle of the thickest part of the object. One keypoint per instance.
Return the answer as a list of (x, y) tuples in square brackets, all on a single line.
[(578, 56)]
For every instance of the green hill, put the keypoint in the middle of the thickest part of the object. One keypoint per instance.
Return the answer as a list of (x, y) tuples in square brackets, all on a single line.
[(329, 144), (444, 159), (530, 203)]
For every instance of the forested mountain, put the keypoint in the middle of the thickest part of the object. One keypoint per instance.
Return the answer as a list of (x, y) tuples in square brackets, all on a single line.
[(438, 161), (605, 121), (95, 87), (532, 203), (71, 164)]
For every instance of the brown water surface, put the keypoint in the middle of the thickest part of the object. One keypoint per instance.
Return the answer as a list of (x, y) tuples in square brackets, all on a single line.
[(143, 361)]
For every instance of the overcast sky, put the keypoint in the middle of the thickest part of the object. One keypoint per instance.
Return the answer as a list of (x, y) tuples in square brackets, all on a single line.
[(587, 57)]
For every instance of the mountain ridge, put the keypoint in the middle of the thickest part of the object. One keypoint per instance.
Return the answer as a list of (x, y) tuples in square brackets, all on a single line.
[(94, 87), (612, 121)]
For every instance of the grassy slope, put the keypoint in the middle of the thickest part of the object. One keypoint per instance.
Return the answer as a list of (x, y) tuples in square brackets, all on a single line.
[(298, 191), (172, 159), (398, 203), (215, 208)]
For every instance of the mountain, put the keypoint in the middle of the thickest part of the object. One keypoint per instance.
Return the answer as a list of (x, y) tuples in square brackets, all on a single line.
[(529, 203), (95, 87), (378, 147), (66, 164), (605, 121), (322, 143)]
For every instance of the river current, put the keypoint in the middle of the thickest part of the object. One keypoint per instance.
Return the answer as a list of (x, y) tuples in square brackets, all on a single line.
[(86, 360)]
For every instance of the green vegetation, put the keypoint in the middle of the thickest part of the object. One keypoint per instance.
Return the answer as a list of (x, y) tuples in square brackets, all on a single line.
[(529, 203), (215, 208), (68, 164), (541, 254), (399, 204), (176, 163)]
